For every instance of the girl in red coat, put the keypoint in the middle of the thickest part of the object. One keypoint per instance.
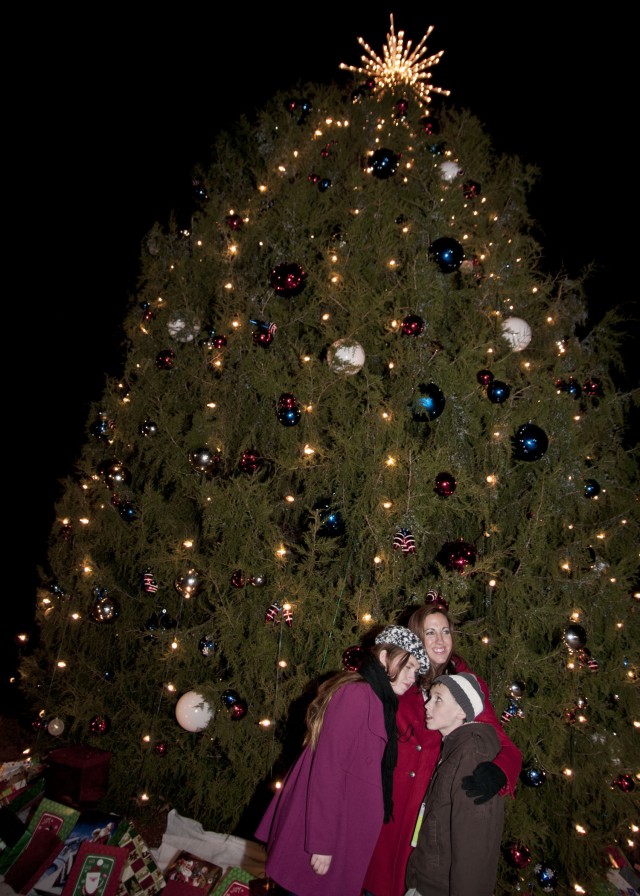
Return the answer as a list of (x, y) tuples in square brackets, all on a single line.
[(323, 824), (419, 748)]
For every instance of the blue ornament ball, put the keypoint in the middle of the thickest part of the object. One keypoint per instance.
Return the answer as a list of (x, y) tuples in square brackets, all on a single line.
[(428, 404), (546, 877), (533, 777), (447, 253), (591, 488), (384, 163), (207, 646), (530, 442), (497, 391), (229, 697)]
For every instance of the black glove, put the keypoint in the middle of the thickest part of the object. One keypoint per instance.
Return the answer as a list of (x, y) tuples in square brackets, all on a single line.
[(486, 780)]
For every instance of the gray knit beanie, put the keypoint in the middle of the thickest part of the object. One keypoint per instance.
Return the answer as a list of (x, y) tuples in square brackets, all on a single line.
[(466, 691)]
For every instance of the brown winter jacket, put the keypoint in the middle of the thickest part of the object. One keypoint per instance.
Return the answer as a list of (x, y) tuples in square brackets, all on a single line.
[(459, 842)]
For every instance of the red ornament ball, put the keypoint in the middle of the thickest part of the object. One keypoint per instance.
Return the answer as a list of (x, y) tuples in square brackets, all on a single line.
[(288, 279), (517, 855), (165, 359), (484, 377), (445, 485), (234, 222), (250, 461), (625, 783), (237, 579), (412, 325), (239, 710), (457, 556), (161, 748)]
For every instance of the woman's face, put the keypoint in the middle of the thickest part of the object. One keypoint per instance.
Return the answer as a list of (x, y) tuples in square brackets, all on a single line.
[(436, 637), (405, 677)]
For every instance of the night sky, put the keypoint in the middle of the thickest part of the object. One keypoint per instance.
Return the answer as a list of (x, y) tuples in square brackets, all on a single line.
[(113, 115)]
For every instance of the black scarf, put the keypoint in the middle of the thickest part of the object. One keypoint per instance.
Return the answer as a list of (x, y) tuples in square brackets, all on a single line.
[(374, 674)]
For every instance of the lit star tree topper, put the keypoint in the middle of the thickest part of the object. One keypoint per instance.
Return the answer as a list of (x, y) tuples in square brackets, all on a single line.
[(400, 66)]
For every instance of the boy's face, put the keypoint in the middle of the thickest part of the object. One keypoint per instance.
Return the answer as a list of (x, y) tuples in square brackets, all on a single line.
[(441, 711)]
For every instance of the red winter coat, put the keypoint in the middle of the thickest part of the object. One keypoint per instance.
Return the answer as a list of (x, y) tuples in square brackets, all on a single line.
[(418, 752), (331, 801)]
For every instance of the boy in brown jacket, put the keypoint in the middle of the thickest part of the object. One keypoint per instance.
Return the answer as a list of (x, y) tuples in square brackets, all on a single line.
[(457, 840)]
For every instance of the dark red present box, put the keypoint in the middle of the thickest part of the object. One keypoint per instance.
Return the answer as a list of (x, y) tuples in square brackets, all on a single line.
[(77, 775)]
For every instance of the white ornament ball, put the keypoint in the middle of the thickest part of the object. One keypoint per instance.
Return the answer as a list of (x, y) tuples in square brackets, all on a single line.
[(517, 332), (346, 356), (193, 712), (182, 330), (449, 171), (55, 727)]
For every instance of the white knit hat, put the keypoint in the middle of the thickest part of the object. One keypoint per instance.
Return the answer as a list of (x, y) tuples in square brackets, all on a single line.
[(403, 637), (466, 691)]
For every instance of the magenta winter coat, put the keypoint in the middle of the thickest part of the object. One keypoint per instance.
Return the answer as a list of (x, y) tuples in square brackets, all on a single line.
[(331, 800)]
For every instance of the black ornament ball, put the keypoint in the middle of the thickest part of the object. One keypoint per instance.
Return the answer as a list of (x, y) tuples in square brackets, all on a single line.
[(575, 636), (445, 485), (533, 777), (530, 442), (288, 279), (115, 474), (428, 404), (516, 689), (188, 584), (148, 428), (591, 488), (498, 392), (447, 253), (384, 163)]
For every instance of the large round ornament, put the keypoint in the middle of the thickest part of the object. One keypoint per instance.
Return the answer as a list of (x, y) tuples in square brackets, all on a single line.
[(517, 332), (193, 713), (575, 636), (384, 163), (229, 697), (517, 855), (484, 377), (288, 279), (428, 404), (625, 783), (530, 442), (449, 171), (516, 689), (105, 608), (345, 357), (250, 461), (189, 583), (447, 253), (205, 460), (498, 392), (445, 485)]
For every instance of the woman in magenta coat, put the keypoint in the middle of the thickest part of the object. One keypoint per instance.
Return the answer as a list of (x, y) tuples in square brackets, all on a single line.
[(418, 751), (322, 826)]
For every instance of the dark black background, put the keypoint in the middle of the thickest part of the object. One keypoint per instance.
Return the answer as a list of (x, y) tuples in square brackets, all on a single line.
[(108, 114)]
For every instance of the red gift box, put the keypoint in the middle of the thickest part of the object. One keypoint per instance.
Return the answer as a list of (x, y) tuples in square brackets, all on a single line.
[(77, 775)]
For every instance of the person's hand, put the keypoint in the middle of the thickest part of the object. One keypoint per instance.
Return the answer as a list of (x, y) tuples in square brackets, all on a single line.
[(487, 780), (320, 864)]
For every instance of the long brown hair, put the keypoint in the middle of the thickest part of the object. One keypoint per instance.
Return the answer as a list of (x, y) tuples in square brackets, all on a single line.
[(416, 625), (396, 660)]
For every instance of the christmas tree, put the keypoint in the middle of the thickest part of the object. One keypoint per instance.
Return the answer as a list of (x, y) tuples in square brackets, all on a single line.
[(347, 379)]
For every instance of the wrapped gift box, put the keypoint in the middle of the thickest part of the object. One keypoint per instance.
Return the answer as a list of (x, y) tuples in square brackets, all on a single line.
[(77, 775)]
